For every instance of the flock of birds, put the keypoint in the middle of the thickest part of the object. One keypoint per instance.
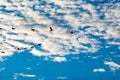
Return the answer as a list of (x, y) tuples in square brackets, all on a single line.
[(32, 29)]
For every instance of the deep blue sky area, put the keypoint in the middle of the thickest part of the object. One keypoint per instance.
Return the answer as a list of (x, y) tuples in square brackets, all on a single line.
[(95, 57), (73, 69)]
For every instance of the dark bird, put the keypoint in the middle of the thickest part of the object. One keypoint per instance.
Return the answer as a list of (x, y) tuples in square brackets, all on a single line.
[(25, 48), (32, 47), (39, 44), (51, 29), (33, 30), (18, 48), (2, 52), (13, 28), (71, 32), (0, 28)]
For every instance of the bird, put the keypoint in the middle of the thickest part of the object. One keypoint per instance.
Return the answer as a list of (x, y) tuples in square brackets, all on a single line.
[(13, 28), (25, 48), (0, 28), (32, 29), (39, 44), (51, 29), (32, 47), (18, 48), (71, 32), (2, 52)]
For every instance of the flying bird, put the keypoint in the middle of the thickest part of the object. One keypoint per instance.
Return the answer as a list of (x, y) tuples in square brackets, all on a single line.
[(32, 47), (18, 48), (39, 44), (0, 28), (13, 28), (25, 48), (51, 29), (71, 32), (32, 29), (2, 52)]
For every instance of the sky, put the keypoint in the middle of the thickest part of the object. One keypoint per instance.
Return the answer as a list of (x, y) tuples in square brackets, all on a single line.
[(59, 39)]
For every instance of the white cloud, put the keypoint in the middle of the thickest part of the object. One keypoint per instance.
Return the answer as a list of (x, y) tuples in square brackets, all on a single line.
[(119, 47), (60, 41), (3, 68), (27, 75), (1, 59), (59, 59), (113, 66), (99, 70), (16, 75), (61, 78), (41, 79), (28, 68)]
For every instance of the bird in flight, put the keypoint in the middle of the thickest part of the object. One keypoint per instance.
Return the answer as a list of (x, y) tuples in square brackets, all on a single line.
[(39, 44), (13, 28), (2, 52), (25, 48), (32, 47), (51, 29), (71, 32), (32, 29), (18, 48), (0, 28)]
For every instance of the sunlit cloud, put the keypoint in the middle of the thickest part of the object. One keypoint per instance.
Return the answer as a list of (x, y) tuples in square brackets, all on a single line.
[(25, 25)]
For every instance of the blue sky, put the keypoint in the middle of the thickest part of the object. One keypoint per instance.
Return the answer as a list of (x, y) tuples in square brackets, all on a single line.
[(59, 39)]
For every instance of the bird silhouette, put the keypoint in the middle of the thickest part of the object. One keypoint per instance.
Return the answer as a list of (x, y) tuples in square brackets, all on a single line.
[(71, 32), (18, 48), (13, 28), (2, 52), (51, 29), (25, 48), (0, 28), (32, 29), (39, 44), (32, 47)]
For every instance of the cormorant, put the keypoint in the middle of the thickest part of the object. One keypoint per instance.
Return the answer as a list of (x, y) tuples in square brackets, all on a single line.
[(13, 28), (18, 48), (32, 47), (33, 30), (39, 44), (51, 29), (71, 32), (0, 28), (25, 48), (2, 52)]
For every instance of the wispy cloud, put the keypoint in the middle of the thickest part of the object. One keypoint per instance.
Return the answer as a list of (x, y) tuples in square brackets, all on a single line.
[(3, 68), (99, 70), (113, 66), (61, 78), (16, 75)]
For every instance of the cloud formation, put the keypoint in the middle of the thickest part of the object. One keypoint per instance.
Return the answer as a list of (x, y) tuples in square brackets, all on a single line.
[(16, 75), (59, 59), (113, 66), (77, 27), (99, 70)]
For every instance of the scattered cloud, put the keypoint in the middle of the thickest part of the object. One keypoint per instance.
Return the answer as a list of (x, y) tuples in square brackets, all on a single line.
[(28, 68), (16, 75), (27, 75), (3, 68), (59, 59), (119, 47), (99, 70), (61, 78), (113, 66)]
